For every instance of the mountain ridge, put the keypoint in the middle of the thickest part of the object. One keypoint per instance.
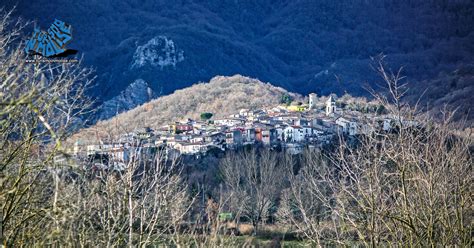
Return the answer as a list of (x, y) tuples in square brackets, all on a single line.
[(304, 46)]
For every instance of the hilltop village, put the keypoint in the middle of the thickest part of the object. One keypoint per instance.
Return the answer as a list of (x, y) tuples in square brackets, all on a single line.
[(290, 127)]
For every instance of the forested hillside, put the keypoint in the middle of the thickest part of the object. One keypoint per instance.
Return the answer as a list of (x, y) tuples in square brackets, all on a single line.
[(304, 46), (221, 96)]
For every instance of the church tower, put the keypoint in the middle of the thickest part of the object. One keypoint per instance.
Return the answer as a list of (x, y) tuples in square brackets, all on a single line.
[(330, 106), (312, 100)]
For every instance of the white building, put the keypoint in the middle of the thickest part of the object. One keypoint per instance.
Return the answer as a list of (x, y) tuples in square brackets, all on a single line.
[(246, 112), (230, 122), (294, 148), (312, 100), (296, 133), (331, 106), (92, 149), (387, 124), (348, 126), (120, 154), (191, 148)]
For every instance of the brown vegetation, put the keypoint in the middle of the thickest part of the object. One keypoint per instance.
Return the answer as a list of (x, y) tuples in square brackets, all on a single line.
[(222, 96)]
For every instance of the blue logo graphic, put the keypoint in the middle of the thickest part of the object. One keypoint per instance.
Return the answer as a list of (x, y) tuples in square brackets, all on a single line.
[(50, 43)]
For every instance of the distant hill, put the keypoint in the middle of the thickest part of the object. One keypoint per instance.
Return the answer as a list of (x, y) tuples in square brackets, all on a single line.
[(221, 96), (454, 90), (321, 46)]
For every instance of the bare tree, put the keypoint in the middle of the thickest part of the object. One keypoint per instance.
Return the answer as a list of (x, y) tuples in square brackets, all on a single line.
[(39, 104), (255, 179), (216, 232), (141, 204), (305, 205), (412, 185)]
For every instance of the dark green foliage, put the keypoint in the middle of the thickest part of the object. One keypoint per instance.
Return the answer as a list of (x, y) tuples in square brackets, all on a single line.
[(225, 216), (286, 99), (341, 104), (381, 110), (206, 116)]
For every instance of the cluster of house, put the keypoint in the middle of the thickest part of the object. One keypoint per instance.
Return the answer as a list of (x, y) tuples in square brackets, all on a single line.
[(290, 127)]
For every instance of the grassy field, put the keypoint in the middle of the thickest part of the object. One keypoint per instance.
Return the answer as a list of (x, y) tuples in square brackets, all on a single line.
[(267, 236)]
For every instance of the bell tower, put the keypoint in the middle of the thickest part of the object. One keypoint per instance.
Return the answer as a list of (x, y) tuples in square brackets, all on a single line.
[(312, 100), (330, 106)]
